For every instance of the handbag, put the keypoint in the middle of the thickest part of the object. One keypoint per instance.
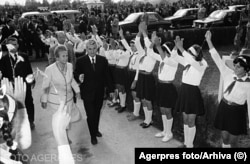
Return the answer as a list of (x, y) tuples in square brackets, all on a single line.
[(75, 113)]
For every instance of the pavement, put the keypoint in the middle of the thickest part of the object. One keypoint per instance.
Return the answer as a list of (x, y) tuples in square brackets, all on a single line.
[(116, 146)]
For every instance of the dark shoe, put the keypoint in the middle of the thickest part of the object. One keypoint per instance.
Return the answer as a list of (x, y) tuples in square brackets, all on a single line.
[(142, 124), (146, 125), (133, 117), (113, 104), (98, 134), (32, 126), (94, 141), (122, 109), (118, 107), (182, 146)]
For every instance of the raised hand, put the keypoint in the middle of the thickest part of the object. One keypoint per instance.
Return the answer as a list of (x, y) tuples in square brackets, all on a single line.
[(60, 121), (121, 33), (8, 86), (20, 90), (208, 36)]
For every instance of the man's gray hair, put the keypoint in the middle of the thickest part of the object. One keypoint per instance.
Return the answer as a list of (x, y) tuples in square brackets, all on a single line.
[(60, 33), (91, 42)]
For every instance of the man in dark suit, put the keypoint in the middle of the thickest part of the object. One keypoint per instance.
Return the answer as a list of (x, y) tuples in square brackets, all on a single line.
[(92, 72), (8, 29), (15, 64)]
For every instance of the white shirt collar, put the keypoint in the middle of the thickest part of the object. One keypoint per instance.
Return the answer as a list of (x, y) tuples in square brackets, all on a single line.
[(90, 57), (12, 55)]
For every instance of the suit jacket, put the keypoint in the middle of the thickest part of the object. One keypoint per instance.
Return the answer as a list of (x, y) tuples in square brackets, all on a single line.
[(71, 59), (22, 68), (6, 32), (62, 83), (94, 81)]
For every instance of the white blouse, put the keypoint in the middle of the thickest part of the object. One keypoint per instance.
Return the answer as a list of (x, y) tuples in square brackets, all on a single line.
[(194, 74), (240, 93)]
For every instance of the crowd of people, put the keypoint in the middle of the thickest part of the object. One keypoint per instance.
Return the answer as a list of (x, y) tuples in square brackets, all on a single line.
[(92, 66), (35, 29)]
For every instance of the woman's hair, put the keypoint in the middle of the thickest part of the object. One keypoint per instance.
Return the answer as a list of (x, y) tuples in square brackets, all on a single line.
[(59, 49), (6, 128), (198, 50), (168, 44), (244, 61)]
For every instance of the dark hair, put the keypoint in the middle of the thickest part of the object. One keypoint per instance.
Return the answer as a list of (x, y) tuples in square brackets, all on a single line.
[(244, 62), (11, 39), (170, 46), (198, 50)]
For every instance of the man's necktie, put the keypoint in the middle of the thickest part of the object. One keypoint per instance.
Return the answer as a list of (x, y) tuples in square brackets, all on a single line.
[(93, 63), (15, 58), (231, 86)]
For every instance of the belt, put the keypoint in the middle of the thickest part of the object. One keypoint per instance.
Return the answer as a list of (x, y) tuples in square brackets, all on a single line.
[(112, 65), (145, 73), (133, 70), (121, 67), (166, 82), (230, 103)]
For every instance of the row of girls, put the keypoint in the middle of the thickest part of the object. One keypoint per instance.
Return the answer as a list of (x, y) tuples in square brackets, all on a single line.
[(132, 67), (132, 64)]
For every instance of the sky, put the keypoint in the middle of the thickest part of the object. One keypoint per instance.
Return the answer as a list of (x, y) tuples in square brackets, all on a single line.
[(21, 2), (2, 2)]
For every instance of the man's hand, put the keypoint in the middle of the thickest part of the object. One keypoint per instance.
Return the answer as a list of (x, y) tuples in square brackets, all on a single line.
[(81, 78)]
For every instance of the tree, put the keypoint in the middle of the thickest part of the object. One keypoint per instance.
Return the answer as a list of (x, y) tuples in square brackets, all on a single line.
[(45, 3)]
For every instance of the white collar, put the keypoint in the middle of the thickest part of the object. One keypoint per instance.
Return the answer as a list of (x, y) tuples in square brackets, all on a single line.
[(90, 57), (12, 55), (243, 78), (19, 58)]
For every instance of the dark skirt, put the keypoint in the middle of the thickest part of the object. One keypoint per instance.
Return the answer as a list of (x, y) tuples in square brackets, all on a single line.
[(231, 118), (112, 72), (166, 95), (190, 100), (131, 78), (145, 87), (121, 76)]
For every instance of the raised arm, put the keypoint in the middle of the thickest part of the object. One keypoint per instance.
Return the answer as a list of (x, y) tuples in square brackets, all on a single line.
[(215, 56), (124, 42)]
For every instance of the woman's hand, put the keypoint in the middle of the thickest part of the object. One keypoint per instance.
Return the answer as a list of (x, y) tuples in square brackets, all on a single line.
[(133, 85), (78, 95), (60, 121), (20, 90), (8, 85), (208, 36), (44, 105)]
